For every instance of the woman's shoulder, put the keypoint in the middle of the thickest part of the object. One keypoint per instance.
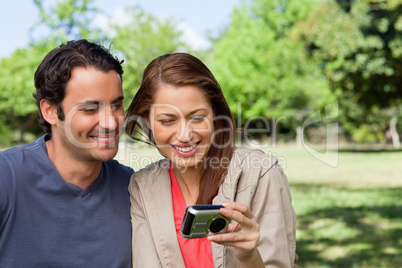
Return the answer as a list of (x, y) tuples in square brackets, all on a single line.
[(152, 171), (253, 158)]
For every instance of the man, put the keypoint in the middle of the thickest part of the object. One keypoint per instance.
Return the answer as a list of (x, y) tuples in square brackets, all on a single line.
[(63, 200)]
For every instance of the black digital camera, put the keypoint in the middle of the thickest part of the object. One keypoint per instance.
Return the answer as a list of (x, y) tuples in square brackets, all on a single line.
[(199, 220)]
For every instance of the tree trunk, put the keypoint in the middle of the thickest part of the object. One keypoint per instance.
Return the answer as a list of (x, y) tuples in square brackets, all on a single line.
[(22, 124), (394, 133), (299, 136)]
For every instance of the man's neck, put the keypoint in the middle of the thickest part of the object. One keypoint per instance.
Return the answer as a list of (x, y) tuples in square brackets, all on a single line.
[(75, 171)]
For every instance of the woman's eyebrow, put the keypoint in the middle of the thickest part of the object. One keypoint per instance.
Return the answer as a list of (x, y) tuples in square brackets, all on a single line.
[(174, 115), (165, 114), (197, 110)]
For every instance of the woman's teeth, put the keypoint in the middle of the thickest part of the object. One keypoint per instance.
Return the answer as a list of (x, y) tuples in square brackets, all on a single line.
[(185, 149)]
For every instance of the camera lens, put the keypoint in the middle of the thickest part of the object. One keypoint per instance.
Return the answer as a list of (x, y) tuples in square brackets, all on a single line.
[(217, 225)]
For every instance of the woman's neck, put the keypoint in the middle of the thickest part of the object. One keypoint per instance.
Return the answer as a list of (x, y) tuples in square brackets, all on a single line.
[(188, 180)]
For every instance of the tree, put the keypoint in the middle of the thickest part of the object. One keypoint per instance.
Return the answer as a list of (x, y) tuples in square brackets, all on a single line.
[(359, 45), (68, 19), (263, 69), (17, 106), (140, 39)]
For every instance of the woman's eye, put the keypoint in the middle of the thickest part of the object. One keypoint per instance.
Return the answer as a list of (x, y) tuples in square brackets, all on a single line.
[(166, 122), (198, 118)]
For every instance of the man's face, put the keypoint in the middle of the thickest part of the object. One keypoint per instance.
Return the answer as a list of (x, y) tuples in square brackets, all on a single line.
[(94, 115)]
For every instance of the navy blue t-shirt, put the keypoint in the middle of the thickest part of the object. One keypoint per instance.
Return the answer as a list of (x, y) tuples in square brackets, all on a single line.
[(47, 222)]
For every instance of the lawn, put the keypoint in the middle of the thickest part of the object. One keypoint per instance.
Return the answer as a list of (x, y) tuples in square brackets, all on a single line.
[(349, 214)]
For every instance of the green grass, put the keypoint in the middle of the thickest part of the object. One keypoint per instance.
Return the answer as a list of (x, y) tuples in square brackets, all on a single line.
[(349, 215), (341, 227)]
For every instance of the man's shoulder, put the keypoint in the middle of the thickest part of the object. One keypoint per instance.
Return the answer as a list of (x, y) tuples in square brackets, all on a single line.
[(29, 147), (16, 155), (115, 166), (16, 163)]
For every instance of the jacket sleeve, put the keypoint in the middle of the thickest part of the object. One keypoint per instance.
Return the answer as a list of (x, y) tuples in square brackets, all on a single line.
[(272, 206), (144, 253)]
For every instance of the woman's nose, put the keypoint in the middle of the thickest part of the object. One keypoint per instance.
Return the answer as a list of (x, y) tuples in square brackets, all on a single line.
[(185, 133)]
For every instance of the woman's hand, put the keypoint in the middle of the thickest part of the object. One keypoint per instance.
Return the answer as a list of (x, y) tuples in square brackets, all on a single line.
[(296, 259), (243, 235)]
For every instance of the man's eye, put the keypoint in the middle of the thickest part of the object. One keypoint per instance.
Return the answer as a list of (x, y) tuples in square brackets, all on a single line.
[(90, 109), (115, 107)]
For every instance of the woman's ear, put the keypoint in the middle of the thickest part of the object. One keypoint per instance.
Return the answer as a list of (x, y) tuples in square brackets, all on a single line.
[(147, 122), (49, 111)]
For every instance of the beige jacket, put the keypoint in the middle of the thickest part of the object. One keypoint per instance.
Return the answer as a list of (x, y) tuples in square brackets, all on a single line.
[(254, 179)]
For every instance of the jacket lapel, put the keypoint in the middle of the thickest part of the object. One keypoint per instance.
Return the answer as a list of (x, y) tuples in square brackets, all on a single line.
[(227, 193), (156, 189)]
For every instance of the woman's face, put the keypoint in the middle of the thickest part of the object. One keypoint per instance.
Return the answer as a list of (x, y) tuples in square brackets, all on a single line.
[(181, 120)]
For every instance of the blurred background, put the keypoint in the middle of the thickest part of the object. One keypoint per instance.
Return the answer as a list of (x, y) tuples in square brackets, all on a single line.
[(317, 83)]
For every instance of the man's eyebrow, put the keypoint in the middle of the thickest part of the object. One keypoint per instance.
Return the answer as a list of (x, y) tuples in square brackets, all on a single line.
[(95, 102), (88, 103), (120, 98)]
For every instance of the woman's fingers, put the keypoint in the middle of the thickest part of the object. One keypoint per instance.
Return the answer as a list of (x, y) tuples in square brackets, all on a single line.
[(244, 233), (242, 215), (233, 227), (243, 209)]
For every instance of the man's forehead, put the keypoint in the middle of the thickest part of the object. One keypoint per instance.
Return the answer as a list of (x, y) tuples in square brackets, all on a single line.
[(97, 102)]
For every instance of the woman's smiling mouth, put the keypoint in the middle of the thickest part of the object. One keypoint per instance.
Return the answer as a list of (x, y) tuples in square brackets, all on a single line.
[(186, 149)]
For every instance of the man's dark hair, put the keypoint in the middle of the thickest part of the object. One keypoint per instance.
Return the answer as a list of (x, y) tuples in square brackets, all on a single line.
[(54, 72)]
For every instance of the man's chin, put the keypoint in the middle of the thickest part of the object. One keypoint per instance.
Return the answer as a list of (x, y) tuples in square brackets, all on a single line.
[(107, 154)]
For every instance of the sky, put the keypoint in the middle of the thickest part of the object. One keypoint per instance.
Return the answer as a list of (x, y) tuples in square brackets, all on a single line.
[(196, 18)]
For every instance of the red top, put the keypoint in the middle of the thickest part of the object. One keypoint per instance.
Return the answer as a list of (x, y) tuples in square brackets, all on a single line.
[(196, 252)]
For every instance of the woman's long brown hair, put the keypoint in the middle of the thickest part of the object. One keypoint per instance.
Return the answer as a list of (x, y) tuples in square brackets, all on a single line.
[(181, 69)]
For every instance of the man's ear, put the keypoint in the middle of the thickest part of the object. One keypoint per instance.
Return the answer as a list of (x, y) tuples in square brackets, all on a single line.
[(49, 111)]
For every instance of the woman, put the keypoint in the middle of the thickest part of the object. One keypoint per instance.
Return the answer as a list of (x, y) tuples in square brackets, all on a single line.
[(181, 110)]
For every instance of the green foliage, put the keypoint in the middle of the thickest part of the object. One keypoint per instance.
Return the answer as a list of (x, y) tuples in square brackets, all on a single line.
[(368, 134), (140, 40), (359, 46), (262, 68), (67, 20), (17, 106)]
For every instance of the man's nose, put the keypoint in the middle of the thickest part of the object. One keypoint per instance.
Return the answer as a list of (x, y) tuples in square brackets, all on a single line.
[(108, 119)]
